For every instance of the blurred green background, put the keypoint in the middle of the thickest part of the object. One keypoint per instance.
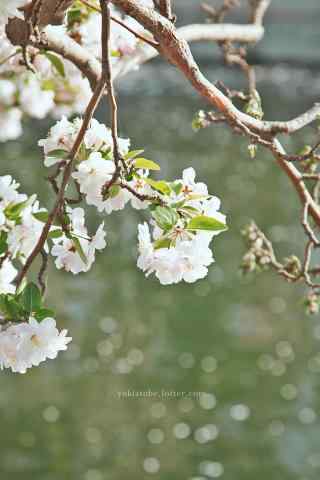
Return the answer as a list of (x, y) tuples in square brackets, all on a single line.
[(244, 341)]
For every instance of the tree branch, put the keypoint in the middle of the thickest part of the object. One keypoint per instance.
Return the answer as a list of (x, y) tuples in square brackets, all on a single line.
[(91, 67), (259, 8), (177, 51)]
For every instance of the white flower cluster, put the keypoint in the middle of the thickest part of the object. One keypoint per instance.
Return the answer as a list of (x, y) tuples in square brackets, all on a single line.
[(21, 224), (19, 229), (180, 249), (58, 87), (97, 165), (27, 344), (185, 216)]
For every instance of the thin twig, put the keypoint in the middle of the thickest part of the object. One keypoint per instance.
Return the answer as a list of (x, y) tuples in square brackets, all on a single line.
[(142, 197), (307, 228), (107, 72), (42, 271)]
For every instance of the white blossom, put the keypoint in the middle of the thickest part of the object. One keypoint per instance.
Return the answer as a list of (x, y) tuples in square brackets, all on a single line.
[(99, 138), (146, 251), (141, 187), (192, 193), (35, 101), (66, 250), (187, 260), (96, 171), (7, 92), (27, 344), (61, 137), (7, 275), (6, 47), (211, 208), (24, 236), (8, 191), (91, 175), (72, 93), (10, 124)]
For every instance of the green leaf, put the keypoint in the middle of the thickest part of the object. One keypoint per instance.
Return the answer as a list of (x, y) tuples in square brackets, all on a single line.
[(107, 155), (189, 211), (13, 211), (162, 243), (79, 249), (113, 191), (41, 216), (3, 243), (3, 306), (133, 154), (31, 298), (161, 186), (58, 153), (177, 187), (201, 222), (66, 219), (56, 62), (146, 164), (166, 217), (10, 308), (196, 196), (55, 234), (14, 309), (178, 205), (43, 313)]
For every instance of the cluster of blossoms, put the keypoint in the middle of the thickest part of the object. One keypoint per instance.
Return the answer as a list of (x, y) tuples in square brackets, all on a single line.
[(28, 334), (185, 217), (27, 344), (20, 229), (107, 174), (21, 224), (56, 87), (182, 232)]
